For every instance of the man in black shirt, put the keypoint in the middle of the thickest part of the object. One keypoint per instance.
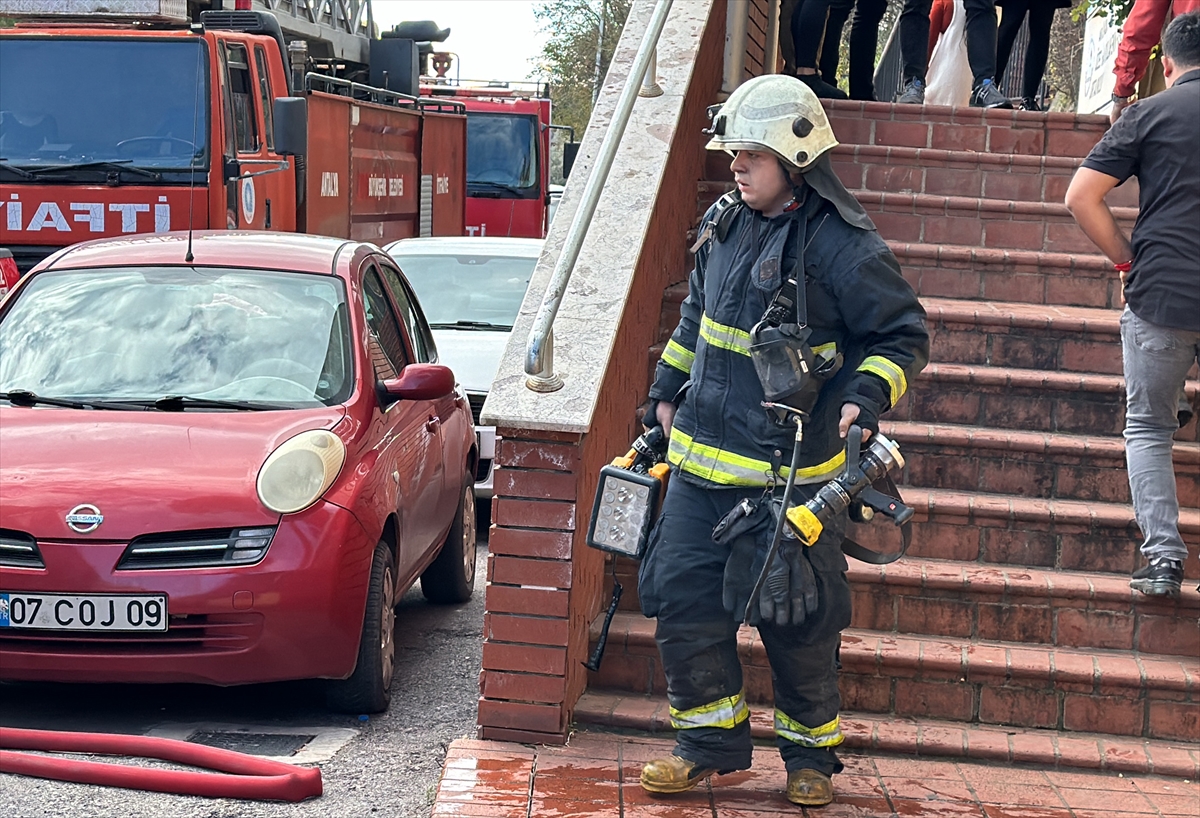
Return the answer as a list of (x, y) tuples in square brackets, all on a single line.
[(1157, 141)]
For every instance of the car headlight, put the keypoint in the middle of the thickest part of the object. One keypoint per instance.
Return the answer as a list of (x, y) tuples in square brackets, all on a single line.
[(300, 470)]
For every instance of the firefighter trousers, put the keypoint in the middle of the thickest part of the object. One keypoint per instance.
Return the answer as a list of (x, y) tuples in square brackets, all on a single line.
[(680, 583)]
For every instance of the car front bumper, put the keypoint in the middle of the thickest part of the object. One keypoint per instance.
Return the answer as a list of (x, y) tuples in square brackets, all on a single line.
[(296, 614)]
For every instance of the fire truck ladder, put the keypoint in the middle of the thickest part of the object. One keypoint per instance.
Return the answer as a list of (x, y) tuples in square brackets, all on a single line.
[(333, 29)]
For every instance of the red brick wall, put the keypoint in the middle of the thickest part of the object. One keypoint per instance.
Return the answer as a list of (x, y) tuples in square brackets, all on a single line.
[(756, 37), (545, 585)]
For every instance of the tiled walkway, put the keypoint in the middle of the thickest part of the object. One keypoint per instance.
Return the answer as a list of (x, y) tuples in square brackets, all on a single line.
[(596, 775)]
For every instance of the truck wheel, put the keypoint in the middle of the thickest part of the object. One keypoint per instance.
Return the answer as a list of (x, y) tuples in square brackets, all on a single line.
[(369, 688), (451, 577)]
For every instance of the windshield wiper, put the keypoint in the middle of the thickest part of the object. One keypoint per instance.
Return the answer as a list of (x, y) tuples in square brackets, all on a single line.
[(497, 186), (178, 403), (472, 325), (117, 165), (23, 397), (11, 168)]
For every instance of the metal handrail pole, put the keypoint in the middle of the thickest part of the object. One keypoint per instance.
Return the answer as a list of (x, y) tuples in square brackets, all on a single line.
[(650, 86), (539, 364)]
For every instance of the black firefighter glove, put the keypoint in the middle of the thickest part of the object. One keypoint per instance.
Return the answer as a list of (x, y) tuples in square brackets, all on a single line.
[(747, 531), (789, 596), (871, 395)]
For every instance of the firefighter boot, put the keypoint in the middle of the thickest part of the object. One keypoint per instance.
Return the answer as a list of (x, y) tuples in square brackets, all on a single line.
[(673, 774), (809, 788)]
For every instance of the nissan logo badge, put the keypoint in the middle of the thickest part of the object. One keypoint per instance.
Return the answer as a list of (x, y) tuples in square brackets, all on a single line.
[(84, 519)]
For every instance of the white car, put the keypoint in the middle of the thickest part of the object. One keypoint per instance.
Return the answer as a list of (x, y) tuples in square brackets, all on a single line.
[(471, 289)]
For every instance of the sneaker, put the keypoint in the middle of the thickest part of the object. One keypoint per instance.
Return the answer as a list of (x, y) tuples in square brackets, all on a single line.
[(987, 95), (913, 93), (821, 88), (1029, 104), (1162, 577)]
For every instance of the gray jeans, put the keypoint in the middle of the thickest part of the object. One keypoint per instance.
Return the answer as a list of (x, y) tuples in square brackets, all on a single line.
[(1157, 360)]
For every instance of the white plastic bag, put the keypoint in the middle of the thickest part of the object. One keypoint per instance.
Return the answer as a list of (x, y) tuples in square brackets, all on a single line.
[(949, 79)]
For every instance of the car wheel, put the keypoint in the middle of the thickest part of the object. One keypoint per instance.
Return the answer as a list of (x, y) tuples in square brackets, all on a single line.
[(451, 577), (369, 688)]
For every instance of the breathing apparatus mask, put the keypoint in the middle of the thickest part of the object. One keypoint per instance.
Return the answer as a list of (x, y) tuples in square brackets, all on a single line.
[(790, 372)]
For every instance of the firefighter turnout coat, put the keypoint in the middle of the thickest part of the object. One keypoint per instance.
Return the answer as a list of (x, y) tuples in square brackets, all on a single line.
[(858, 305)]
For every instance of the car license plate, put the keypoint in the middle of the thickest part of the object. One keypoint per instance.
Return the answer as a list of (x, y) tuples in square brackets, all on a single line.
[(83, 613)]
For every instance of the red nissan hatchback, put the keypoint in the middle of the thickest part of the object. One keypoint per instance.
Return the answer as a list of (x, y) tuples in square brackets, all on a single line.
[(225, 469)]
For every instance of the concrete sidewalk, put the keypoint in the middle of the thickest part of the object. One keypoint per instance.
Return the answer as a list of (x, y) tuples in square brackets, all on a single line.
[(596, 775)]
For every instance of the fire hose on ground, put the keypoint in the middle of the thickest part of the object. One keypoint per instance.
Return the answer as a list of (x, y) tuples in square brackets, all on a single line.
[(239, 775)]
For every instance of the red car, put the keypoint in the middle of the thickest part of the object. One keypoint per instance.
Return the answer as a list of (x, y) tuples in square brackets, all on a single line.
[(227, 468)]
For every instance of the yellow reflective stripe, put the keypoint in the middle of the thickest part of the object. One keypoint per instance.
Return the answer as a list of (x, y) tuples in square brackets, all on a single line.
[(827, 735), (730, 469), (894, 375), (726, 713), (825, 350), (724, 336), (678, 356)]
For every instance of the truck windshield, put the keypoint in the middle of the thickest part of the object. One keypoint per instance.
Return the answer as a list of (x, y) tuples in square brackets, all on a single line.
[(136, 101), (502, 154)]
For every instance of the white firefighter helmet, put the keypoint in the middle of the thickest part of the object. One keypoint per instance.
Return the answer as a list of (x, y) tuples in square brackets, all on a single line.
[(775, 113)]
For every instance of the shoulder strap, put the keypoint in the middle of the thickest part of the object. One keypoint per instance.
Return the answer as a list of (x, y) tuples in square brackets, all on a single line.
[(793, 291), (718, 220)]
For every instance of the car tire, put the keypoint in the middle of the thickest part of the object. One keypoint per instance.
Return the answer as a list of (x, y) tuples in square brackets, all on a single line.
[(369, 687), (450, 577)]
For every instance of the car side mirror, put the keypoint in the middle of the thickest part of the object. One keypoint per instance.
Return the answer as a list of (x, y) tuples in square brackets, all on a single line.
[(290, 126), (419, 382)]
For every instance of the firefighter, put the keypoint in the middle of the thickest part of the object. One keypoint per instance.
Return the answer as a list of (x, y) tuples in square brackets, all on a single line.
[(789, 215)]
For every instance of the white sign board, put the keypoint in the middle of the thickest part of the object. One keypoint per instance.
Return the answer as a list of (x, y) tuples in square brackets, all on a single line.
[(159, 10), (1096, 78)]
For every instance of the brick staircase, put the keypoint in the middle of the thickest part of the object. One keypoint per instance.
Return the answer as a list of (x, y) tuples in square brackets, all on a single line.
[(1009, 631)]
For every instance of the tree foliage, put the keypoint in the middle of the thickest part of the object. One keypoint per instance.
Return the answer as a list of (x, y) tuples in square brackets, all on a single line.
[(569, 57), (1115, 10)]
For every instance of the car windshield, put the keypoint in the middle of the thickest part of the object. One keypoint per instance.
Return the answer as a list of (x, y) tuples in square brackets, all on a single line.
[(501, 151), (469, 289), (136, 101), (140, 334)]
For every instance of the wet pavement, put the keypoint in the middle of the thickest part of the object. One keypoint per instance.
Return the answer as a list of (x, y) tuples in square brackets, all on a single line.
[(596, 776)]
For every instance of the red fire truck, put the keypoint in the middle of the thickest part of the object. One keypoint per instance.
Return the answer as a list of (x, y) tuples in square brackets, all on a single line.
[(508, 160), (155, 115), (508, 139)]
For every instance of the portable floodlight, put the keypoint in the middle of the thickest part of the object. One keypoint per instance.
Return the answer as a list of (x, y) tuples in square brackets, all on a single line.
[(626, 502)]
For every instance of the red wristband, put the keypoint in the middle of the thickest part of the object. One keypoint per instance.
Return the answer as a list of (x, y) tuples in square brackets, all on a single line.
[(1123, 267)]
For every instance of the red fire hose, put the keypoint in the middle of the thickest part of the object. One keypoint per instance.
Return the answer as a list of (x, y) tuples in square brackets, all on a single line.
[(244, 776)]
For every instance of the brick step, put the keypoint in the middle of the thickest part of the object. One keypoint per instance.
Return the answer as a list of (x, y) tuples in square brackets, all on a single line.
[(1008, 177), (1024, 399), (963, 680), (964, 220), (1002, 397), (1084, 329), (998, 132), (1026, 336), (1074, 609), (1069, 609), (930, 738), (995, 274), (990, 274), (1028, 464), (1004, 530)]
